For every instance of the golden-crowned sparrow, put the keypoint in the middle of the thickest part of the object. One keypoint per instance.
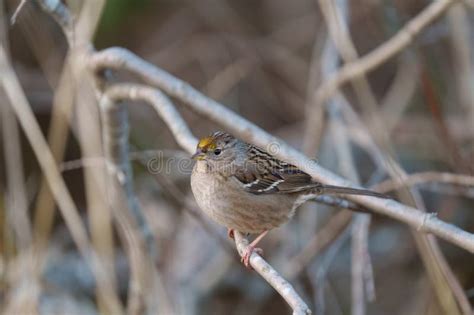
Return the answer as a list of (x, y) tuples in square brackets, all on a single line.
[(245, 188)]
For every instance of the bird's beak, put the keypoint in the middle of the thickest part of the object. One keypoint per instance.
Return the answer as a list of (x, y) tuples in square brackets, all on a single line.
[(199, 155)]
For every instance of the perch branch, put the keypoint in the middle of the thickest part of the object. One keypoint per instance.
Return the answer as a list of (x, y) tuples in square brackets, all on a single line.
[(282, 286)]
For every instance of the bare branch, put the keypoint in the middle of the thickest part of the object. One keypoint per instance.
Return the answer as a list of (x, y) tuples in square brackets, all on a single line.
[(163, 106), (283, 287)]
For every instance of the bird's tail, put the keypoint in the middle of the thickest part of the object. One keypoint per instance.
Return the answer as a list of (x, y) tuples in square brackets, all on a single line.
[(330, 189)]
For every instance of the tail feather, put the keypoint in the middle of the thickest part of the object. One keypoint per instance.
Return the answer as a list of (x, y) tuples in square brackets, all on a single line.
[(329, 189)]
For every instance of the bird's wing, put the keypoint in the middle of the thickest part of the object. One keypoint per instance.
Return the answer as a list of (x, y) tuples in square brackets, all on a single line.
[(264, 174)]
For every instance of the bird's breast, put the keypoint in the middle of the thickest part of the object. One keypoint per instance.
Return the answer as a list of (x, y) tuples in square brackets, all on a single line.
[(225, 201)]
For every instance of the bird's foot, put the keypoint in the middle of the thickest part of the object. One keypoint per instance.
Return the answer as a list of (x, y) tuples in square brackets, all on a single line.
[(248, 252)]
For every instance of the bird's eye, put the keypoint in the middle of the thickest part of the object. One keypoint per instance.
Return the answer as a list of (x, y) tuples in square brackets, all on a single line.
[(217, 151)]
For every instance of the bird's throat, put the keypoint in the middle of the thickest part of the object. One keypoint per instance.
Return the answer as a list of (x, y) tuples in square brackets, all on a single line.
[(202, 166)]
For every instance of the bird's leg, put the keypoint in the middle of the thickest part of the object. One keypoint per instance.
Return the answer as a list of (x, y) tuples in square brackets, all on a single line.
[(251, 248), (230, 233)]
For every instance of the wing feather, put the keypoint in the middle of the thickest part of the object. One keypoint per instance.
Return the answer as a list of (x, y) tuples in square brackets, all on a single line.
[(265, 174)]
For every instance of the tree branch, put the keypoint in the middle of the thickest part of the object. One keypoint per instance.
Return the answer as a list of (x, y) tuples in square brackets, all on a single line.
[(283, 287), (162, 105)]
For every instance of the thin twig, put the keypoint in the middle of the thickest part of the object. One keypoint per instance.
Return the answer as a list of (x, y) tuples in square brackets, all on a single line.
[(17, 11), (384, 52), (163, 106), (423, 178)]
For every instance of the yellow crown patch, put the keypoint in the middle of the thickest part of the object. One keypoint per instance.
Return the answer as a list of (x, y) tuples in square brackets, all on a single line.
[(207, 143)]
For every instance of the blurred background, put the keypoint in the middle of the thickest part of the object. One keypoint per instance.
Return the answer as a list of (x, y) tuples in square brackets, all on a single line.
[(264, 60)]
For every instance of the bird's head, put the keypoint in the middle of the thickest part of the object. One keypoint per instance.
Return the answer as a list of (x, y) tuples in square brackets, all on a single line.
[(217, 149)]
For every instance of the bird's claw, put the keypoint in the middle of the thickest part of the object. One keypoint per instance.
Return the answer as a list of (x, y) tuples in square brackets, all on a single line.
[(248, 252)]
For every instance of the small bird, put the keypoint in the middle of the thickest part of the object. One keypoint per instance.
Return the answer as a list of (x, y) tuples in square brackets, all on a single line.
[(244, 188)]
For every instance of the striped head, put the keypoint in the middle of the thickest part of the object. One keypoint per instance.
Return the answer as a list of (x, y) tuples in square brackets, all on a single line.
[(218, 149)]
